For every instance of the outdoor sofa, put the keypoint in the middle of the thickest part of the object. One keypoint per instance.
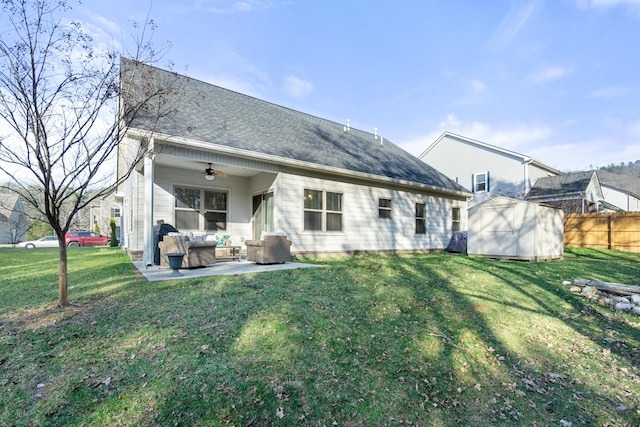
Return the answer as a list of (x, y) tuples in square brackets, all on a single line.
[(198, 253)]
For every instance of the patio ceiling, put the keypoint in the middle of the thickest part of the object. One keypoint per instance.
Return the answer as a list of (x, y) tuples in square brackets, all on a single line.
[(198, 166)]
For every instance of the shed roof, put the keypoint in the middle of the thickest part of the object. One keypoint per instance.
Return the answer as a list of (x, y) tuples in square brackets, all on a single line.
[(224, 118)]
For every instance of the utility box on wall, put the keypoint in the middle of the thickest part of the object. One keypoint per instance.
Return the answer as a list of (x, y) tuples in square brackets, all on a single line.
[(515, 229)]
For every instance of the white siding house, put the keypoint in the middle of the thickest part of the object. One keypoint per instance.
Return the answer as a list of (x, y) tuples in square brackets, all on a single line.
[(620, 200), (331, 188), (484, 169)]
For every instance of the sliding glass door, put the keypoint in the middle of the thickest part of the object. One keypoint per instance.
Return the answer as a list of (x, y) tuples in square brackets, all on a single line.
[(262, 214)]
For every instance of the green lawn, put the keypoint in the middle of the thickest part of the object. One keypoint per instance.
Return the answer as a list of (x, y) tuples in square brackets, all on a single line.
[(426, 339)]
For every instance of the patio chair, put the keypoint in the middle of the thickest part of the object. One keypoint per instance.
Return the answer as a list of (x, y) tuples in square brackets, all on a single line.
[(271, 249)]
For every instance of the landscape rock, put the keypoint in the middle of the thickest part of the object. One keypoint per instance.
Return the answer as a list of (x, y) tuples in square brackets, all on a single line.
[(620, 299), (589, 291), (623, 306), (615, 295)]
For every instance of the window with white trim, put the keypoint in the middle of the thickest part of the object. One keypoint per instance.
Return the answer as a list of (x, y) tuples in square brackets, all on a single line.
[(480, 182), (189, 208), (421, 218), (384, 208), (322, 210), (334, 211), (215, 210), (455, 219)]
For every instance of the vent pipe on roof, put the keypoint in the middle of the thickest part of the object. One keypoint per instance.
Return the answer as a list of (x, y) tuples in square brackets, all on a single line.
[(375, 133), (347, 128)]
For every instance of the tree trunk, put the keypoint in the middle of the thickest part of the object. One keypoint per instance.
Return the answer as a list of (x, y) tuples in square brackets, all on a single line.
[(62, 276)]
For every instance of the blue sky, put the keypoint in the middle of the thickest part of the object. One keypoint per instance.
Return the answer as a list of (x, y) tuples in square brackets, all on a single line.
[(558, 80)]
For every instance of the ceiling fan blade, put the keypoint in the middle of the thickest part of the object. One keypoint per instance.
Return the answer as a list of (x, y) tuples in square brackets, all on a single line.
[(212, 172)]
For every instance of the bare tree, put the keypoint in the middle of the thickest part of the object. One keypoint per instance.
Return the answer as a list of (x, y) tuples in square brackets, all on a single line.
[(60, 120)]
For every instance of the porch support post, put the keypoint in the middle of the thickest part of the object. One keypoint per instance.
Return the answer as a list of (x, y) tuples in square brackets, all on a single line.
[(148, 253)]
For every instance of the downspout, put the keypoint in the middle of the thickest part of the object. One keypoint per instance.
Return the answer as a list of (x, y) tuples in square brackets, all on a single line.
[(147, 235), (527, 184)]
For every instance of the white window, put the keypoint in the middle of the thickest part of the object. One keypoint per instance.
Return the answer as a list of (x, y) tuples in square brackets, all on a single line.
[(384, 208), (421, 218), (455, 219), (322, 210), (215, 210), (480, 182), (189, 209)]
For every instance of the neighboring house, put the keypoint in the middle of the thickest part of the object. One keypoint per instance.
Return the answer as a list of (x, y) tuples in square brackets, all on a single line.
[(619, 200), (577, 192), (489, 171), (330, 188), (101, 212), (616, 193), (13, 220), (485, 169)]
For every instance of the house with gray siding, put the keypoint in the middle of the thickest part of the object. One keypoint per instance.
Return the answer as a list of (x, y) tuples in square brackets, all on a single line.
[(577, 192), (226, 163), (484, 169)]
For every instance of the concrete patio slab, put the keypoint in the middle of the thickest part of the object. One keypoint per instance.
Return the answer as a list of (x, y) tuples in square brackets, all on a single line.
[(156, 273)]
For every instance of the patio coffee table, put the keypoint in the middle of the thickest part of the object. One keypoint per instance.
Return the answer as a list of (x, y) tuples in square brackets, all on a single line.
[(233, 253)]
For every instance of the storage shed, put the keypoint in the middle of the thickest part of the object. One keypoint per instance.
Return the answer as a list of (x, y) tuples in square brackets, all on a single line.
[(515, 229)]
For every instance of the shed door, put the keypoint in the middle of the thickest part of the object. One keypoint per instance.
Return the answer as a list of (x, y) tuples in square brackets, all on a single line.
[(499, 234)]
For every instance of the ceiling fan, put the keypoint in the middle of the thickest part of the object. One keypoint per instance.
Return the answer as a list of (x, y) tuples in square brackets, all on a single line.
[(210, 173)]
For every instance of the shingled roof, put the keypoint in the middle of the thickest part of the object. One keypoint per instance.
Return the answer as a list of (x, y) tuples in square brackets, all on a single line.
[(571, 183), (224, 118)]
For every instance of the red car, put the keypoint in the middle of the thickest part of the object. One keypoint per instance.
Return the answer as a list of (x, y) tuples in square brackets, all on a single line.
[(85, 238)]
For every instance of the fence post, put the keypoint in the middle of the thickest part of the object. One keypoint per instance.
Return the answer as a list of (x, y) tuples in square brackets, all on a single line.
[(610, 230)]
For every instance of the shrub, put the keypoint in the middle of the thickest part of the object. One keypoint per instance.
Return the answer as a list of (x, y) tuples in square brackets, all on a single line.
[(114, 240)]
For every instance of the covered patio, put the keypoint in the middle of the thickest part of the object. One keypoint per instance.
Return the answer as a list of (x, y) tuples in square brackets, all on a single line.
[(175, 188)]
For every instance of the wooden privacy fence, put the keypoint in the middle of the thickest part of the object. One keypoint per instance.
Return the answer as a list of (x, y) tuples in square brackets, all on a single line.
[(610, 230)]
